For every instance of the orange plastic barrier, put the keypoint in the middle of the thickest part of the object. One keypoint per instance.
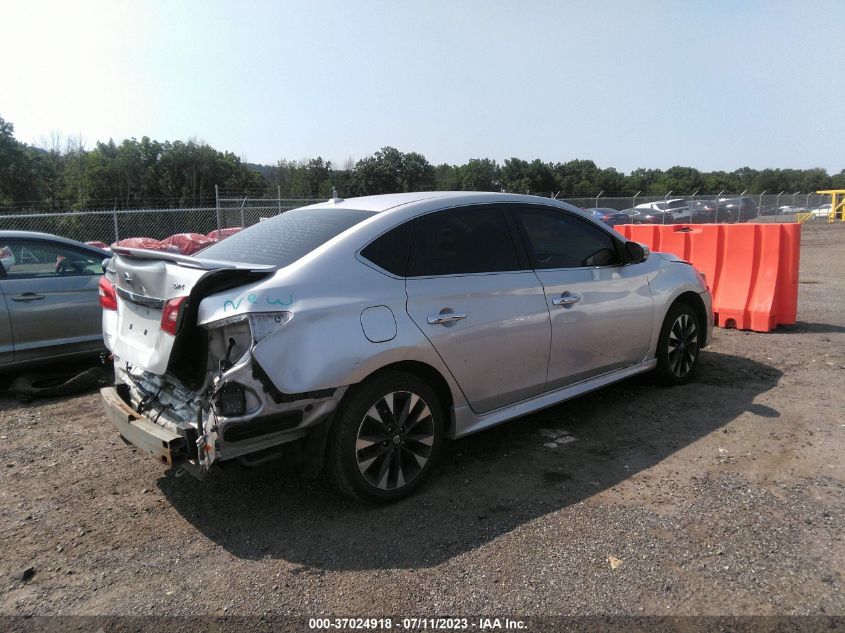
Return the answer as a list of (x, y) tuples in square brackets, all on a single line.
[(752, 269)]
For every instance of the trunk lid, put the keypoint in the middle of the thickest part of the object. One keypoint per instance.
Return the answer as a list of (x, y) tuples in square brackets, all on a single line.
[(144, 282)]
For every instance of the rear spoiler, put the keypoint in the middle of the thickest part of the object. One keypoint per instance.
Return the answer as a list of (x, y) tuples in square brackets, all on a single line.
[(188, 261)]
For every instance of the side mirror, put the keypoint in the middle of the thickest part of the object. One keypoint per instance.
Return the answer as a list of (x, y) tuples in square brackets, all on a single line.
[(637, 253)]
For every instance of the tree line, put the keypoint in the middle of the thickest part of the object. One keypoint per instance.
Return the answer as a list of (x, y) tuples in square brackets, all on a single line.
[(140, 174)]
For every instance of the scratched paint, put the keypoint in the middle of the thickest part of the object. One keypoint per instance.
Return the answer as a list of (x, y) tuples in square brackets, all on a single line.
[(254, 299)]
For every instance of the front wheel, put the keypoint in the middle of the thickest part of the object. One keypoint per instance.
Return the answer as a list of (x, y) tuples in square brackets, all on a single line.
[(386, 438), (678, 346)]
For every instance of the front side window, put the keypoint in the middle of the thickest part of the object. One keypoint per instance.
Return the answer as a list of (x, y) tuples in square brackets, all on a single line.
[(557, 239), (463, 241), (22, 259)]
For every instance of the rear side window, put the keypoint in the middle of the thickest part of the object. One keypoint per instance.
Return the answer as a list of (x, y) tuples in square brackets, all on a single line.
[(391, 250), (461, 241), (559, 240), (285, 238)]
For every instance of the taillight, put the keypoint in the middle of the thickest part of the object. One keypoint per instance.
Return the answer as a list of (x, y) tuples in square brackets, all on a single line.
[(108, 297), (170, 315)]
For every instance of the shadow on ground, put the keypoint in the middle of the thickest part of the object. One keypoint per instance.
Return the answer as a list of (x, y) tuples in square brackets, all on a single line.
[(487, 485), (818, 328)]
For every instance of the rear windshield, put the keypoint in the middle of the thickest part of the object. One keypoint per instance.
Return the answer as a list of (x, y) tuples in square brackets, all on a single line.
[(285, 238)]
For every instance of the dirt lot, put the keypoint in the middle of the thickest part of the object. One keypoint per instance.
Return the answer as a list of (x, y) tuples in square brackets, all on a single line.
[(726, 496)]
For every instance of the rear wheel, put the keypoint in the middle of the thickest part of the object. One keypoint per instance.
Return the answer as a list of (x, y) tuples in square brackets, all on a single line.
[(678, 346), (386, 438)]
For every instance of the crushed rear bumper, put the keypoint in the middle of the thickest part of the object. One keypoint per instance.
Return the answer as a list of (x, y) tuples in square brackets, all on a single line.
[(165, 446)]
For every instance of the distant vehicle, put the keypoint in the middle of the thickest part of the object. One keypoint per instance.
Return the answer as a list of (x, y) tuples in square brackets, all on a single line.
[(647, 216), (737, 209), (49, 301), (675, 205), (821, 212), (611, 217), (790, 210), (704, 212), (684, 211)]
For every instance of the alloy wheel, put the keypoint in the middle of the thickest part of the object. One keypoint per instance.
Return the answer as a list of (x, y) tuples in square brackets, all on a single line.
[(683, 345), (394, 440)]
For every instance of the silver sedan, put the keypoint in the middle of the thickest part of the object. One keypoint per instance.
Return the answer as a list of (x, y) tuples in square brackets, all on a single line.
[(49, 307), (368, 331)]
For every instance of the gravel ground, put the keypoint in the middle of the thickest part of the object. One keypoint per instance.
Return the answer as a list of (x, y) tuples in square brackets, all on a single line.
[(722, 497)]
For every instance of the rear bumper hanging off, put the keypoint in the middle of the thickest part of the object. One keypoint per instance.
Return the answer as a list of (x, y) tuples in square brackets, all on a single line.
[(165, 446)]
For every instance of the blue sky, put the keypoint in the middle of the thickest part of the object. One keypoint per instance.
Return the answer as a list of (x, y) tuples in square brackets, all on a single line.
[(711, 84)]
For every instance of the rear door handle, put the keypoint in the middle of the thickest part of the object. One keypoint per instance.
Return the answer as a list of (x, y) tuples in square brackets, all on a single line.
[(28, 296), (441, 319), (565, 300)]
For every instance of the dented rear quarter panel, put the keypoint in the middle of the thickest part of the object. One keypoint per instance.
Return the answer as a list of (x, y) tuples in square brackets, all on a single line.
[(324, 345)]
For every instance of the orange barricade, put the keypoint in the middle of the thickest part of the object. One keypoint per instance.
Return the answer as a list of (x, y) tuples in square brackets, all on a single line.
[(752, 269)]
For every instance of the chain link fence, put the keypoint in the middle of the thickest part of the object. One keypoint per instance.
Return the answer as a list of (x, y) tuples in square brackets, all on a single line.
[(111, 226), (232, 211), (780, 207)]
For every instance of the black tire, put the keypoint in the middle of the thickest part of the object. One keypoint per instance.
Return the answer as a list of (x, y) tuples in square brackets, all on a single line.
[(679, 346), (376, 457)]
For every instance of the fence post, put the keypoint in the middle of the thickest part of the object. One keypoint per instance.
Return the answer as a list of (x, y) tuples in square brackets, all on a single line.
[(217, 207), (114, 219), (242, 212), (279, 199), (719, 195)]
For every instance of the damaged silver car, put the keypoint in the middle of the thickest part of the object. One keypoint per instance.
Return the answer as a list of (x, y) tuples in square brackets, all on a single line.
[(365, 332)]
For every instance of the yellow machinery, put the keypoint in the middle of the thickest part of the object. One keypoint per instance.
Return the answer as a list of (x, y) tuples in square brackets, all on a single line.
[(837, 204)]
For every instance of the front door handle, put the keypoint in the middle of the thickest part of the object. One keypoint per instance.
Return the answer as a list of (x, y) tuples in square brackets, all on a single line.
[(566, 300), (442, 319), (28, 296)]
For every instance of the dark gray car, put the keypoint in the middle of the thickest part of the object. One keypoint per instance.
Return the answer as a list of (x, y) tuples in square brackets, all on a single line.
[(49, 299)]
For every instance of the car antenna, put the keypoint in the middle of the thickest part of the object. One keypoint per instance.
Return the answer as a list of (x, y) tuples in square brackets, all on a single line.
[(334, 199)]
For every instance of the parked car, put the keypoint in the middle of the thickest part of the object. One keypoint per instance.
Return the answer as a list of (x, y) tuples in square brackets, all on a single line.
[(822, 211), (790, 210), (647, 216), (611, 217), (675, 205), (680, 211), (704, 212), (370, 330), (48, 299), (737, 209)]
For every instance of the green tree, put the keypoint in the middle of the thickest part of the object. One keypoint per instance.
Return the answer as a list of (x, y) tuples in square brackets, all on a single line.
[(480, 174), (391, 171), (17, 180)]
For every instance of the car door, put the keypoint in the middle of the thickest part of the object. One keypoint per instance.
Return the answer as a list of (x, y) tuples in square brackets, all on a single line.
[(471, 291), (601, 307), (51, 293)]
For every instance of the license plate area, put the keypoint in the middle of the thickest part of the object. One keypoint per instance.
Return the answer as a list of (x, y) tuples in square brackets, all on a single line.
[(140, 325)]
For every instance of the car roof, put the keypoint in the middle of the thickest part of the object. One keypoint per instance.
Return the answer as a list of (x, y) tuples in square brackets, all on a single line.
[(388, 201), (35, 235)]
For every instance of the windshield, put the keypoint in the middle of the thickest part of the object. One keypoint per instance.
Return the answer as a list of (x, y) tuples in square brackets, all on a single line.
[(285, 238)]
